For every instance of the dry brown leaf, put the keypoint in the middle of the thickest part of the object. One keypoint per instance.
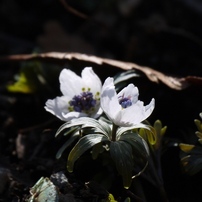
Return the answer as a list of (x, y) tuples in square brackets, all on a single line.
[(177, 83)]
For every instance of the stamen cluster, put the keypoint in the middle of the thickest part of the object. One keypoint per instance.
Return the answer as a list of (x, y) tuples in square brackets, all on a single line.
[(83, 102), (125, 102)]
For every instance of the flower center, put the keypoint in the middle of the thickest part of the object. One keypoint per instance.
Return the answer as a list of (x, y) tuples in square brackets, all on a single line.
[(125, 101), (83, 102)]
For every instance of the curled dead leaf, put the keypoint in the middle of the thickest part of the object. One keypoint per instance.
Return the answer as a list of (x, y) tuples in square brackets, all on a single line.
[(177, 83)]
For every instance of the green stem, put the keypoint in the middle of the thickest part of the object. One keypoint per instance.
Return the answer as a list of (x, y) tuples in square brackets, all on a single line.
[(114, 129)]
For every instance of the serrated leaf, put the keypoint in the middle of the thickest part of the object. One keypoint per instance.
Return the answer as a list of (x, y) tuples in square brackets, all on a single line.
[(121, 153), (82, 146)]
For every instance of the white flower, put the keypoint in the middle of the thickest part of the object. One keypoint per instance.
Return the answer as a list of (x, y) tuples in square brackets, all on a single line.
[(81, 95), (124, 109)]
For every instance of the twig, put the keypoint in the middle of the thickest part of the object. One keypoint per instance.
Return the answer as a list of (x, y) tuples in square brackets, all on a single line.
[(72, 10)]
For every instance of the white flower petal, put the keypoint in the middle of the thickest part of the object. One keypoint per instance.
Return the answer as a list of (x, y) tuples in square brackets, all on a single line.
[(109, 99), (97, 113), (70, 83), (136, 113), (91, 80), (57, 106), (129, 116), (130, 91), (133, 114), (72, 115), (149, 108)]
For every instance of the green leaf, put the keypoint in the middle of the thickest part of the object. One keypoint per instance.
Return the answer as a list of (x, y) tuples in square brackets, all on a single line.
[(151, 131), (127, 199), (186, 147), (82, 146), (120, 80), (158, 126), (71, 139), (22, 85), (192, 162), (192, 165), (121, 153), (150, 137), (111, 198), (163, 130), (97, 149), (106, 126), (139, 146), (35, 77), (200, 115), (154, 138), (198, 134), (126, 75), (69, 131), (198, 124), (84, 122), (140, 152)]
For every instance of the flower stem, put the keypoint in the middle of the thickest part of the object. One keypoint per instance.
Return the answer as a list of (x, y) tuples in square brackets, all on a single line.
[(114, 129)]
